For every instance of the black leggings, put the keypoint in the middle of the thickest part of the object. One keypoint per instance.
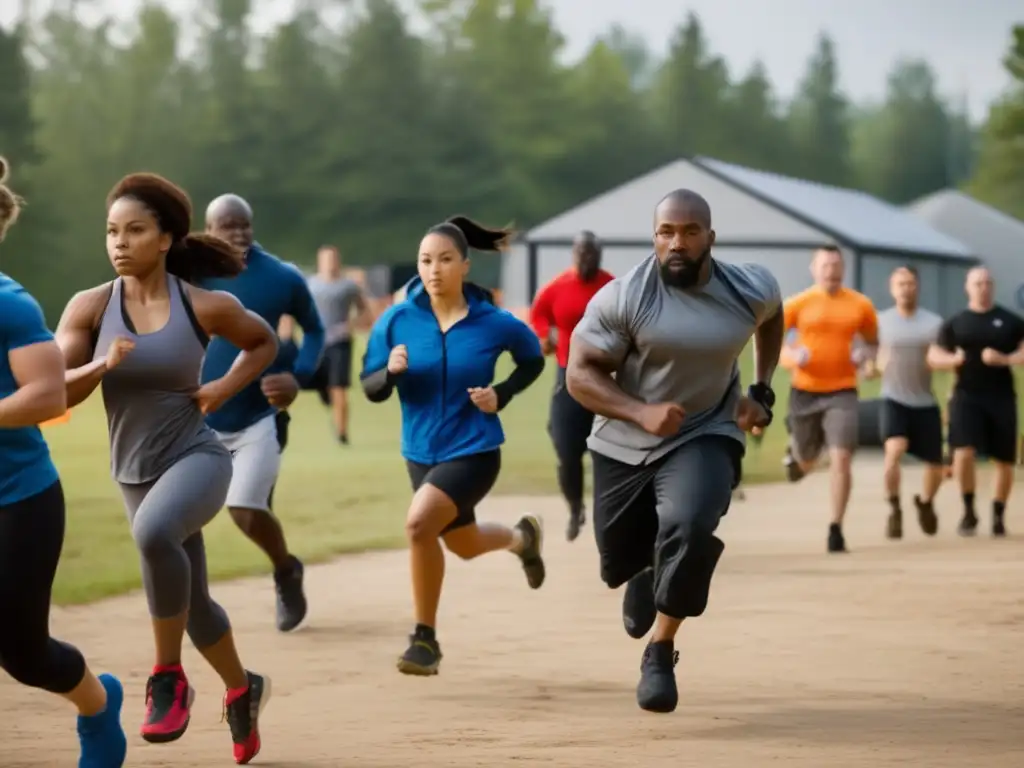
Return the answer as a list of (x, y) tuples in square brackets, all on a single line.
[(569, 425), (31, 537)]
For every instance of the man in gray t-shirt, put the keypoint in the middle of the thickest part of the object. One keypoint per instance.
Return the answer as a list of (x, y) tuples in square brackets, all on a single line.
[(337, 299), (655, 357), (910, 419)]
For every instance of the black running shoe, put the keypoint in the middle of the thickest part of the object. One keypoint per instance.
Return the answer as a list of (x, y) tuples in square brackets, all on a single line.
[(577, 518), (422, 658), (968, 524), (291, 597), (657, 691), (533, 545), (793, 471), (926, 516), (638, 609), (998, 527), (243, 716), (894, 525), (836, 540)]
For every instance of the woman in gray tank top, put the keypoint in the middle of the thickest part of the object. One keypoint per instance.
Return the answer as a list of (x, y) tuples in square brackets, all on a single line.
[(142, 338)]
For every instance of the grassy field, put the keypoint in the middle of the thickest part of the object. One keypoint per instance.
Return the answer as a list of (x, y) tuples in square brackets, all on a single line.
[(332, 499)]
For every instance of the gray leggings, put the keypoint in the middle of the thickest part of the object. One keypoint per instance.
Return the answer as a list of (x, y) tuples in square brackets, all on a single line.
[(167, 517)]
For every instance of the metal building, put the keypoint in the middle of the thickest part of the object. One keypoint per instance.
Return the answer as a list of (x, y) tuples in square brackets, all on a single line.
[(997, 239), (758, 217)]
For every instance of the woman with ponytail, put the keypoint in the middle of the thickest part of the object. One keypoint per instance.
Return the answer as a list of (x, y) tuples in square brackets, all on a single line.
[(438, 347), (142, 337)]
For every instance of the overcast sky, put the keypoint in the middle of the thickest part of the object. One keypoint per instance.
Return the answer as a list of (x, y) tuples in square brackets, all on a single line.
[(963, 40)]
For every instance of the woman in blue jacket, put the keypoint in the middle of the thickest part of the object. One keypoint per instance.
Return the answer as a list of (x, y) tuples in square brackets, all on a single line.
[(438, 347)]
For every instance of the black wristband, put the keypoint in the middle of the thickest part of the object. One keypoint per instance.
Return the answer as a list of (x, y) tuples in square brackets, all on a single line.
[(763, 395)]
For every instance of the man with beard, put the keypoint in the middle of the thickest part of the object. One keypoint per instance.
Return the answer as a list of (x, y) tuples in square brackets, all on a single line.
[(911, 420), (253, 425), (837, 330), (556, 310), (655, 357)]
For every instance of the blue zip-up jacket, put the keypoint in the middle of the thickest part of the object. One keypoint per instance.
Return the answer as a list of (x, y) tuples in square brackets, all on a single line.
[(270, 288), (25, 465), (439, 421)]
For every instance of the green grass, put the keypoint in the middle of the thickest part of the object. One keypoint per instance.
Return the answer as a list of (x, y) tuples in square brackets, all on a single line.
[(331, 499)]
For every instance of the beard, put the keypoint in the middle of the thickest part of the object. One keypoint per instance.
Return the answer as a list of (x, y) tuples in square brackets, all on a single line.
[(686, 277)]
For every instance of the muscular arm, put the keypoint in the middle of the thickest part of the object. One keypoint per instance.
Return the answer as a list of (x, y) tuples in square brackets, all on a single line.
[(768, 347), (940, 359), (39, 373), (588, 377), (221, 314), (75, 339)]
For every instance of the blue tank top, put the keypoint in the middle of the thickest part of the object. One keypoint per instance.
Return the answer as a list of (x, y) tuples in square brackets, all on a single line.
[(25, 465)]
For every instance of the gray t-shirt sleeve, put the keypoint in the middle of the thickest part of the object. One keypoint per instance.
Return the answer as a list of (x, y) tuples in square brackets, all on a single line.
[(607, 322), (762, 292)]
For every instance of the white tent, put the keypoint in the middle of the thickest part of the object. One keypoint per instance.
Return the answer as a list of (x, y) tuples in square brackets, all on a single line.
[(758, 217), (997, 239)]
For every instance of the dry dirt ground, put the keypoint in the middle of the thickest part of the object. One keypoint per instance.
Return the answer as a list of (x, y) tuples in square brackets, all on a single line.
[(897, 652)]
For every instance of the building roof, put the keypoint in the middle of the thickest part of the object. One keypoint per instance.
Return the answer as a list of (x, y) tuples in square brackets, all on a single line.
[(853, 218), (987, 230)]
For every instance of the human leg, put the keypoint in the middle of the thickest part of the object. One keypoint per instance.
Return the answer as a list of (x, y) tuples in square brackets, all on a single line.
[(894, 428), (1002, 449), (31, 539), (926, 444), (339, 379), (839, 425), (569, 426), (966, 436)]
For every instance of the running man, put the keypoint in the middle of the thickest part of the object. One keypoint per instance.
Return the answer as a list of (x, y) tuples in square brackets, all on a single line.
[(837, 332), (655, 357), (253, 424), (336, 298), (32, 516), (142, 338), (438, 347), (911, 420), (555, 312), (982, 344)]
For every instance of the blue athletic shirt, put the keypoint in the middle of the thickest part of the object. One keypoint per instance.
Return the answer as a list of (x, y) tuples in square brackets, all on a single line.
[(439, 421), (25, 465), (270, 288)]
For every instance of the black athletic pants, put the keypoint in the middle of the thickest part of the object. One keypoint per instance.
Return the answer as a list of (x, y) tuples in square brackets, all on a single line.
[(31, 537), (569, 425), (664, 514)]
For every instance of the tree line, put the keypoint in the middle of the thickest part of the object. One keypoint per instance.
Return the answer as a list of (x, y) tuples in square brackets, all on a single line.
[(364, 134)]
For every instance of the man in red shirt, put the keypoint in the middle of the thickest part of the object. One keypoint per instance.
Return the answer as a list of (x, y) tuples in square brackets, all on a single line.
[(556, 310)]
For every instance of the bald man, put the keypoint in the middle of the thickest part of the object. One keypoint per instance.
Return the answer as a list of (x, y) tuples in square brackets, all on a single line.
[(655, 357), (556, 310), (982, 344), (254, 423)]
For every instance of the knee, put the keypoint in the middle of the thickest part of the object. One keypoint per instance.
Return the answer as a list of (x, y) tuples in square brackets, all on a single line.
[(420, 529), (244, 519), (44, 664), (842, 460), (154, 542)]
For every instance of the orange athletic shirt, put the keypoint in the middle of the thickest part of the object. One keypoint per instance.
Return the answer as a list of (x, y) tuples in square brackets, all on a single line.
[(826, 325)]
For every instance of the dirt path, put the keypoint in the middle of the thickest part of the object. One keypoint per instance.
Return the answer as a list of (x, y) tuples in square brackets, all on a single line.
[(897, 652)]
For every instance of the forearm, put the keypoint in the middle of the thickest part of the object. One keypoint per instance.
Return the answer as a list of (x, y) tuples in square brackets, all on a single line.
[(598, 392), (1015, 359), (247, 367), (768, 340), (32, 404), (523, 376), (941, 360), (81, 382), (309, 355), (377, 386)]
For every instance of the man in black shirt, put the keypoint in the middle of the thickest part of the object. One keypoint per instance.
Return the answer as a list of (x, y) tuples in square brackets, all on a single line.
[(982, 344)]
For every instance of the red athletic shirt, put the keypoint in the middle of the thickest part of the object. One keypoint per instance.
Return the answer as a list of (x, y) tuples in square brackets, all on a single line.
[(560, 305)]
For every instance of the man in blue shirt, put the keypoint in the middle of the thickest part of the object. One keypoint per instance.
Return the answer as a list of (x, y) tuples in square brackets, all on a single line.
[(253, 424)]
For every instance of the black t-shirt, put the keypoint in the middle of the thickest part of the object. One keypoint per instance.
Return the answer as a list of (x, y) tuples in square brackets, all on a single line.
[(997, 328)]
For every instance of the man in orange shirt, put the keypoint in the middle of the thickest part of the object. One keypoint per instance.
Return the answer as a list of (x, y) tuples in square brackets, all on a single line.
[(829, 321)]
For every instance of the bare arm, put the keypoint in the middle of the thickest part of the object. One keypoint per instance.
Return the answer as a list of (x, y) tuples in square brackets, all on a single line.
[(768, 347), (38, 370), (588, 377), (221, 314), (940, 359), (74, 337)]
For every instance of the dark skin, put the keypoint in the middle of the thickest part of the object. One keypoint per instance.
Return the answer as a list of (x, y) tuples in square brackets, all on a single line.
[(230, 218), (682, 235)]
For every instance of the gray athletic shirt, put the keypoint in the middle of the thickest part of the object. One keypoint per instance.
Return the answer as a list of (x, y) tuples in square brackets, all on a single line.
[(334, 301), (676, 346), (151, 416), (903, 343)]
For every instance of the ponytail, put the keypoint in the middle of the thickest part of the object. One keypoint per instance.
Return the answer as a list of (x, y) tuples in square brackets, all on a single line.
[(199, 256), (466, 234)]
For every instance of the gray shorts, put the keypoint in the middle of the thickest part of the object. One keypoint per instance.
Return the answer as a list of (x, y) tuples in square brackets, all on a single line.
[(819, 420), (256, 459)]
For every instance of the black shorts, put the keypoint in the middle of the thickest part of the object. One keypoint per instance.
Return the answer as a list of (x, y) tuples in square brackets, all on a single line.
[(921, 427), (465, 480), (336, 365), (281, 421), (634, 506), (986, 423)]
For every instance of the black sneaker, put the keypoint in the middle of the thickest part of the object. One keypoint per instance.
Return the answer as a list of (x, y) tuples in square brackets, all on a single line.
[(243, 716), (894, 526), (657, 691), (836, 540), (638, 609), (998, 526), (793, 472), (422, 658), (291, 598), (533, 544), (926, 516), (577, 518), (968, 524)]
